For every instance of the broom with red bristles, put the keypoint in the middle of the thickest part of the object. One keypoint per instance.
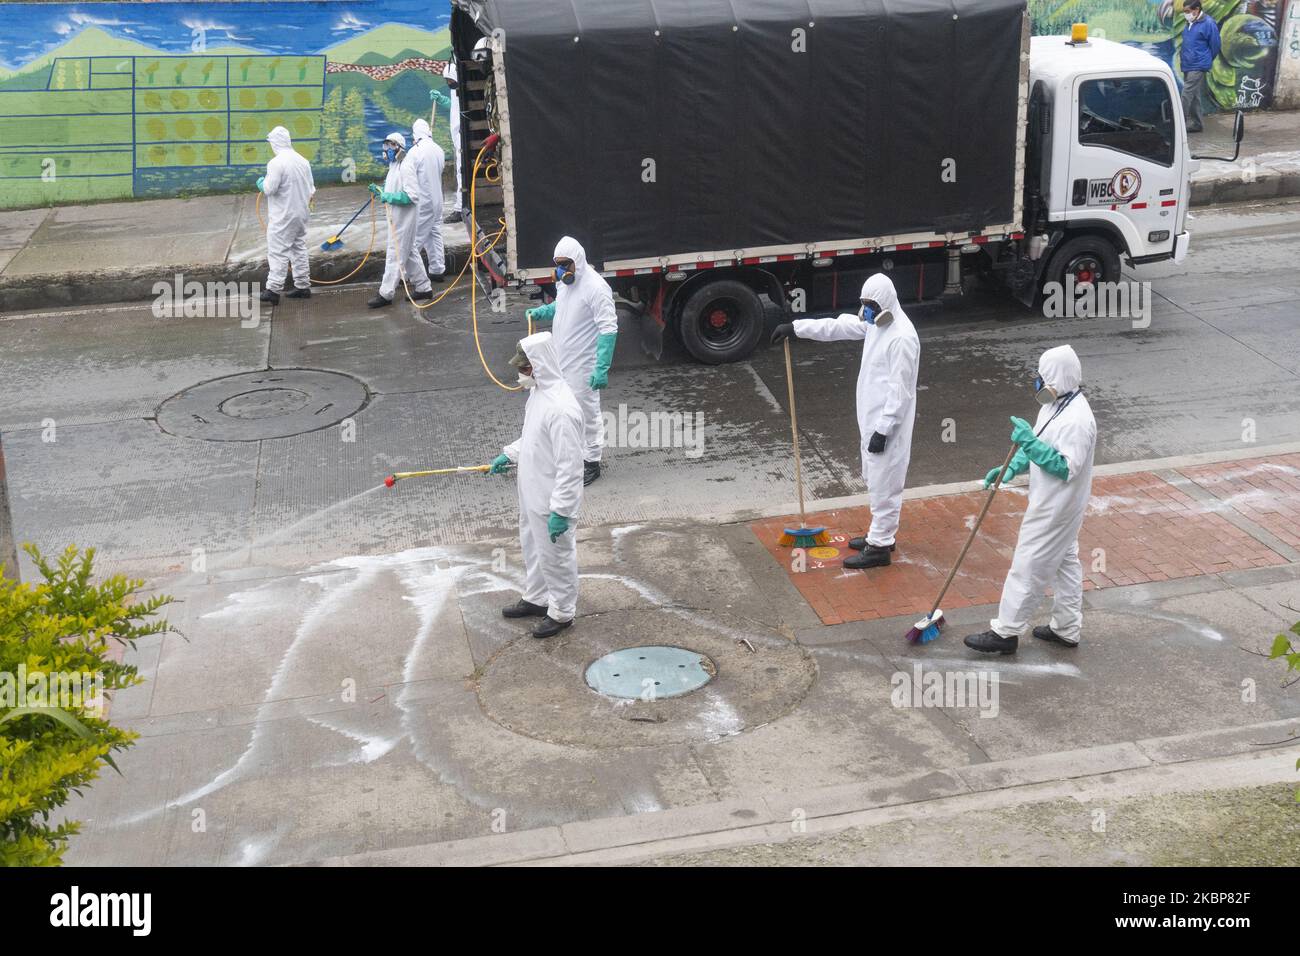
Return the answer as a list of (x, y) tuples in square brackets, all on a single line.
[(803, 536), (927, 629)]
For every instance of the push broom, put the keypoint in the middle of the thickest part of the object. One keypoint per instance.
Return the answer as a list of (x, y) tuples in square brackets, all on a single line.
[(927, 629), (803, 536), (335, 241), (468, 469)]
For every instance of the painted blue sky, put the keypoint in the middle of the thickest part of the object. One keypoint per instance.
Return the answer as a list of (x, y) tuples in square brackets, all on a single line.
[(30, 30)]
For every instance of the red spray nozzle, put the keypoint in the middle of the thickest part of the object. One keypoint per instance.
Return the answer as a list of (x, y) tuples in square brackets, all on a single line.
[(490, 143), (390, 480)]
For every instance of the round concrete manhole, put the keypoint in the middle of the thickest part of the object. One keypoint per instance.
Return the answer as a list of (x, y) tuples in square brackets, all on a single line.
[(251, 406), (548, 689), (650, 673)]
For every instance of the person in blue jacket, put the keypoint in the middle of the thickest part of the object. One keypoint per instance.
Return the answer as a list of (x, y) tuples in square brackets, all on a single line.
[(1200, 47)]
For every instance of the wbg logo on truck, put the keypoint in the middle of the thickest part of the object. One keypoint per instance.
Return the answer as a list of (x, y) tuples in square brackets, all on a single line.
[(1123, 187)]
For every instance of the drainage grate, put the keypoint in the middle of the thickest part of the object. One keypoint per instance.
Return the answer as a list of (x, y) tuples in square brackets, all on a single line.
[(252, 406), (650, 673)]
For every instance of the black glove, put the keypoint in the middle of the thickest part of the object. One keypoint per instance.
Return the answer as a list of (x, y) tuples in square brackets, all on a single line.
[(783, 332), (877, 443)]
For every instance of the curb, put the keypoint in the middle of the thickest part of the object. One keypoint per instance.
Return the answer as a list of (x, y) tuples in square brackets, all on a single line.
[(768, 817)]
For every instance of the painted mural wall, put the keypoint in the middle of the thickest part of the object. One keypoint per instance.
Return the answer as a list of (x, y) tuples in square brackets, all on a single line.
[(122, 100), (115, 100), (1245, 71)]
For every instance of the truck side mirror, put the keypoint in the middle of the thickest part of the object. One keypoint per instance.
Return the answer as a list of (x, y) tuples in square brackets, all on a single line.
[(1239, 127)]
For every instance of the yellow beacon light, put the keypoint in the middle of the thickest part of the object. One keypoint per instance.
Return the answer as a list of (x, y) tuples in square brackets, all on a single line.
[(1079, 33)]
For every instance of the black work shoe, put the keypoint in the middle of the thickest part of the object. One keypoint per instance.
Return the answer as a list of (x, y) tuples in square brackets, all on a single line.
[(300, 294), (991, 642), (440, 277), (456, 216), (269, 296), (524, 608), (860, 544), (1045, 633), (590, 471), (422, 296), (378, 302), (549, 627), (869, 557)]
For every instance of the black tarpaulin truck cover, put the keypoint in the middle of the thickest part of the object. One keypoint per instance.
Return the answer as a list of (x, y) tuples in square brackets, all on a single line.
[(657, 128)]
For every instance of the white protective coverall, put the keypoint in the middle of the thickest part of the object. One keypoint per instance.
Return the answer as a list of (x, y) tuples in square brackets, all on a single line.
[(402, 255), (288, 188), (429, 160), (449, 72), (584, 311), (549, 456), (891, 357), (1047, 552)]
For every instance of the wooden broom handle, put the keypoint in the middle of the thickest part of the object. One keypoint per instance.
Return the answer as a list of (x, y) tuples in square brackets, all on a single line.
[(997, 483), (794, 433)]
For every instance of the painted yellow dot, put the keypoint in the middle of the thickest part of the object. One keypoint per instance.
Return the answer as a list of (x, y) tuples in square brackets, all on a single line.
[(152, 101), (185, 128), (209, 100), (187, 155), (249, 126), (211, 127), (302, 125), (157, 154), (823, 554), (301, 98), (156, 128), (213, 154), (179, 99), (247, 99), (274, 99)]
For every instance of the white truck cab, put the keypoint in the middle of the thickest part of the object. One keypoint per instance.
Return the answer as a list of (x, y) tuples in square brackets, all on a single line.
[(1107, 159)]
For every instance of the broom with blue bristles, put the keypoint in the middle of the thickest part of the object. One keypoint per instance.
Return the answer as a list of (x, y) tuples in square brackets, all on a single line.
[(803, 536), (927, 629)]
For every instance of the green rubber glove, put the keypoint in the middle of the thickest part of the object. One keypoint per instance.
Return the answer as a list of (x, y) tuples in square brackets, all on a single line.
[(376, 191), (396, 199), (604, 359), (543, 313), (500, 464), (441, 98), (261, 182), (1038, 451), (1017, 467), (556, 525)]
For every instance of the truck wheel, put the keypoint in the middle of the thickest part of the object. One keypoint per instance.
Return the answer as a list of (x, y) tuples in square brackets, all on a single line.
[(722, 322), (1090, 259)]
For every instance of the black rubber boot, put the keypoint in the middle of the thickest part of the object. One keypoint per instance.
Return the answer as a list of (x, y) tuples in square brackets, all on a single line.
[(269, 296), (300, 294), (440, 277), (860, 544), (522, 608), (991, 642), (422, 296), (590, 471), (456, 216), (869, 557), (378, 302), (1045, 633), (549, 627)]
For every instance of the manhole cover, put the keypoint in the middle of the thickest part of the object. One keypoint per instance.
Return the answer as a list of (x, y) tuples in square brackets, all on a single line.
[(252, 406), (650, 673)]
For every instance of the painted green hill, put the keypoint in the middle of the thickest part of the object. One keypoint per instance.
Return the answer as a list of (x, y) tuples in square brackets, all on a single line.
[(92, 41), (392, 41)]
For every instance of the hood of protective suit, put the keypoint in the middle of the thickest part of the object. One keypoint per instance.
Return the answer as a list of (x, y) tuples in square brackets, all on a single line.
[(570, 248), (397, 138), (420, 130), (1060, 368), (545, 361), (279, 140), (880, 289)]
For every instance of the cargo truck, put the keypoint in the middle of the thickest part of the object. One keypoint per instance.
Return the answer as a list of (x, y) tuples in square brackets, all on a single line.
[(712, 153)]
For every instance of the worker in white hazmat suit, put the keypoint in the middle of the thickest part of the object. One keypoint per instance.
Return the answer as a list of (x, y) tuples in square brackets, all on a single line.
[(452, 78), (586, 330), (549, 457), (429, 160), (1058, 452), (891, 356), (288, 187), (401, 194)]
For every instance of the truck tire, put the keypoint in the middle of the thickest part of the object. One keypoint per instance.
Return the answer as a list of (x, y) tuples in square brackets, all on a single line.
[(1090, 259), (721, 322)]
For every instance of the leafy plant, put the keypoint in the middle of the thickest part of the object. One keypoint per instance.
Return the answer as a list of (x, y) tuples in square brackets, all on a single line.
[(62, 625), (1285, 650)]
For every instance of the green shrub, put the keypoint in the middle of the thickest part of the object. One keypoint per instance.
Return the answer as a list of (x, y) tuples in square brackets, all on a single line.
[(60, 626)]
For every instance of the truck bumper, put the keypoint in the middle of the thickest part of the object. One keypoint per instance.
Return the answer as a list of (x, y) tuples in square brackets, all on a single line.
[(1181, 243)]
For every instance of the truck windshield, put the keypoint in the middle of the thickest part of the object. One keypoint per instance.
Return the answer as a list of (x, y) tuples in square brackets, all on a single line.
[(1132, 115)]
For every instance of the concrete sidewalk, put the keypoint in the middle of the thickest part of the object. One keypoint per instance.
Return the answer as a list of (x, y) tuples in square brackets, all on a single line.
[(115, 252)]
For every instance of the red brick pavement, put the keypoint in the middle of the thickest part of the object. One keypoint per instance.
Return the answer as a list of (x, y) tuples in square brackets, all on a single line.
[(1267, 491), (1139, 528)]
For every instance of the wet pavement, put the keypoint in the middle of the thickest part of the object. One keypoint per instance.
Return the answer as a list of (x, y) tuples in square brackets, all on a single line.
[(343, 683)]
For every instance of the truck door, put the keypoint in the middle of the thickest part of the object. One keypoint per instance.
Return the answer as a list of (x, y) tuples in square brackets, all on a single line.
[(1125, 162)]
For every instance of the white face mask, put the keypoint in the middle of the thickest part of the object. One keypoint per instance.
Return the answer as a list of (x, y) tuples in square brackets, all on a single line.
[(1189, 17), (527, 381)]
